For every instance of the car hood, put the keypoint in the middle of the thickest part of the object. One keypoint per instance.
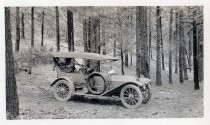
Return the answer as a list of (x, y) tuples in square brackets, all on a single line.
[(125, 79)]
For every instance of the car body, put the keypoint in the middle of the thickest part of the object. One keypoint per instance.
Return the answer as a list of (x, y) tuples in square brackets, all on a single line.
[(73, 76)]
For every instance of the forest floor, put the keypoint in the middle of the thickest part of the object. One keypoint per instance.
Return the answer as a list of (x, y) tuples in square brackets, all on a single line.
[(168, 101)]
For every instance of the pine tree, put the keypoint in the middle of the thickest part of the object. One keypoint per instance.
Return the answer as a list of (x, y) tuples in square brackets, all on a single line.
[(17, 44), (170, 46), (12, 102), (57, 29), (158, 48)]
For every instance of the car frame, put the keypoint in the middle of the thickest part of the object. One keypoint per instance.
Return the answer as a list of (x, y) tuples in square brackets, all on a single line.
[(131, 91)]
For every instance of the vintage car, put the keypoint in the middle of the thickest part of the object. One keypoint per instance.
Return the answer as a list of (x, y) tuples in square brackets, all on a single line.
[(73, 76)]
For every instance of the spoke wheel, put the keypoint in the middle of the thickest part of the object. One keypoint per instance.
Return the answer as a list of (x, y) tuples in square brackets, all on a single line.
[(131, 96), (63, 90), (146, 94)]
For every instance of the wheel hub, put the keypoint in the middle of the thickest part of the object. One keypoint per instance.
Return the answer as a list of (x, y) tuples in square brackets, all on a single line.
[(62, 89), (131, 96)]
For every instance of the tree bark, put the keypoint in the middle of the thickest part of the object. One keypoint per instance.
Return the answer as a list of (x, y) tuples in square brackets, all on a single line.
[(176, 40), (32, 26), (150, 37), (115, 45), (70, 31), (17, 44), (181, 48), (126, 58), (122, 60), (12, 102), (131, 57), (195, 56), (141, 42), (162, 46), (170, 47), (103, 42), (23, 27), (57, 30), (183, 45), (42, 30), (91, 32), (158, 48)]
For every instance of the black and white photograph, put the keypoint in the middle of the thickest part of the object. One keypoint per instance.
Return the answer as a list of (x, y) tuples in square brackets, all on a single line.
[(104, 62)]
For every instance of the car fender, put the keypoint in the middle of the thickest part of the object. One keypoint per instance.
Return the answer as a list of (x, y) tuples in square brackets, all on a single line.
[(61, 78), (117, 89)]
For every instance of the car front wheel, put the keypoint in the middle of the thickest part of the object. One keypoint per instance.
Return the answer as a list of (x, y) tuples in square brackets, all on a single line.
[(63, 90), (131, 96)]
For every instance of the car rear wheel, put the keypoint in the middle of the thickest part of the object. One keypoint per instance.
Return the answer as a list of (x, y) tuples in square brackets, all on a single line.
[(63, 90), (131, 96)]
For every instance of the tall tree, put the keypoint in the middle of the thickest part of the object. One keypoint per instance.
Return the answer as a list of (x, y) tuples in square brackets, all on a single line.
[(103, 40), (12, 102), (17, 44), (181, 47), (126, 58), (91, 37), (170, 46), (32, 26), (150, 36), (42, 29), (23, 26), (176, 38), (57, 29), (70, 31), (162, 46), (115, 45), (141, 42), (158, 48), (195, 54), (131, 58)]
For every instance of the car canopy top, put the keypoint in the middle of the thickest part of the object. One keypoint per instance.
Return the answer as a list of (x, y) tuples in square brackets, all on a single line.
[(84, 55)]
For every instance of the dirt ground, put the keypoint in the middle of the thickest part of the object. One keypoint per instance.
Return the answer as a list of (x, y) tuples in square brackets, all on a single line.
[(168, 101)]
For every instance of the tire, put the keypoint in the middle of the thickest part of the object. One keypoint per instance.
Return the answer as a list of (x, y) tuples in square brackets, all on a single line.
[(146, 94), (63, 90), (96, 84), (131, 96)]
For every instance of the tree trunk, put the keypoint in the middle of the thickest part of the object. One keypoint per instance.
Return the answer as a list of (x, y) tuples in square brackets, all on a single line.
[(122, 60), (150, 37), (115, 45), (57, 30), (23, 27), (103, 40), (85, 35), (131, 61), (42, 30), (170, 47), (195, 55), (17, 44), (162, 46), (183, 45), (32, 26), (126, 58), (12, 102), (70, 31), (190, 52), (158, 48), (181, 48), (91, 36), (176, 40), (141, 42)]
